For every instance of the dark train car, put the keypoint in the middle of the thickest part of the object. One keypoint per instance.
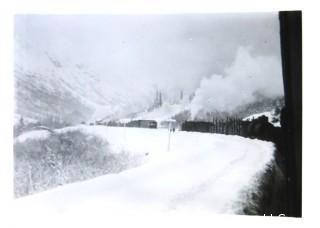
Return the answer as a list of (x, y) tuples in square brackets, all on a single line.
[(200, 126), (142, 123), (244, 130), (260, 128)]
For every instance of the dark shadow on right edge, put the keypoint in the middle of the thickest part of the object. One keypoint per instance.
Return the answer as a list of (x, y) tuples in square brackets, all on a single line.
[(291, 116)]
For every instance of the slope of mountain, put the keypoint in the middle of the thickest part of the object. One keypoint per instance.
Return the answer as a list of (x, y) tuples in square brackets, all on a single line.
[(166, 111), (63, 91), (50, 86), (43, 97)]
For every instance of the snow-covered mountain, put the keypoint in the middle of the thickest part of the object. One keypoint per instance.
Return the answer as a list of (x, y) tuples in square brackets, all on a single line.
[(49, 87)]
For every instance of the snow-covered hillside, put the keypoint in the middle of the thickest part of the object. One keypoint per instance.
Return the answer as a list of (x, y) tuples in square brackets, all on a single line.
[(194, 172), (48, 84), (70, 92), (166, 111)]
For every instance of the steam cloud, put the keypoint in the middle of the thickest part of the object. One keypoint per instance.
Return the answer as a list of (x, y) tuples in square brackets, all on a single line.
[(247, 78)]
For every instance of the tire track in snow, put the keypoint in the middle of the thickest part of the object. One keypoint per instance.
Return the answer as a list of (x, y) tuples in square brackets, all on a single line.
[(191, 194), (194, 191)]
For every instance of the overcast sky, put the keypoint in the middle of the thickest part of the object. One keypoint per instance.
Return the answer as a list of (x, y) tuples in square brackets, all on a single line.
[(169, 51)]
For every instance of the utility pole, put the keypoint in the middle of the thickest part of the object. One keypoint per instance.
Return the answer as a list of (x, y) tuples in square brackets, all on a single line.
[(169, 137), (124, 135)]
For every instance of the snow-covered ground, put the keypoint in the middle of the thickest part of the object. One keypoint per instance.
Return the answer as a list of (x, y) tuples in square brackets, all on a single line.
[(26, 120), (33, 135), (165, 112), (194, 172)]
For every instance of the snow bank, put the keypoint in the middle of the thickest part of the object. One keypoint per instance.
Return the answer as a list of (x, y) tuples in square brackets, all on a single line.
[(197, 172), (26, 120), (32, 135)]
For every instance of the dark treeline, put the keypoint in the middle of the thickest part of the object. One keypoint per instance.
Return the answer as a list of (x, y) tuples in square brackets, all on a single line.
[(258, 128), (228, 126)]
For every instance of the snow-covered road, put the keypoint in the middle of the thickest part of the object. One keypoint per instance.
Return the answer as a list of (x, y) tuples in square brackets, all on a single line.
[(201, 172)]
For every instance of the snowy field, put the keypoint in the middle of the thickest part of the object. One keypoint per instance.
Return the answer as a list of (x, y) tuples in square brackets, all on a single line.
[(195, 172)]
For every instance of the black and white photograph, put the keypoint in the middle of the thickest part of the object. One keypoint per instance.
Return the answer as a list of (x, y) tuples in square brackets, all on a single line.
[(170, 113)]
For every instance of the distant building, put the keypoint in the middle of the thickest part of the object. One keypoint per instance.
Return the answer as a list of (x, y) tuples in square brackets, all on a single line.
[(199, 126), (142, 123), (169, 123)]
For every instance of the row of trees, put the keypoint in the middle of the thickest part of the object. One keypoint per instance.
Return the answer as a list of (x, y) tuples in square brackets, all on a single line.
[(158, 99), (229, 126)]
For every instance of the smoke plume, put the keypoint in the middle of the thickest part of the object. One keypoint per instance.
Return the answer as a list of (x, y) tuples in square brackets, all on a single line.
[(245, 80)]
